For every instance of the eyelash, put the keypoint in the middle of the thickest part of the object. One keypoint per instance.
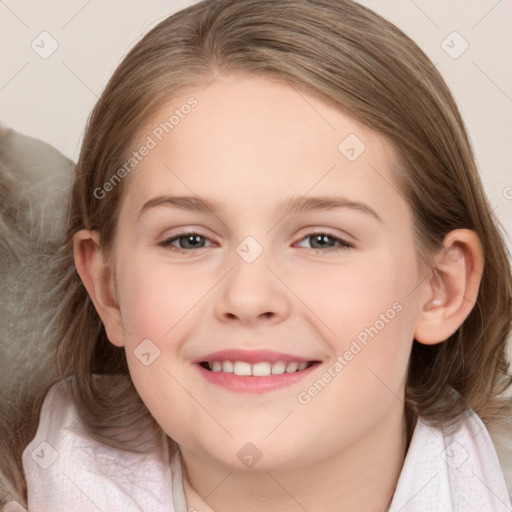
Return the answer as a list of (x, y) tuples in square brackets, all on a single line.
[(166, 244)]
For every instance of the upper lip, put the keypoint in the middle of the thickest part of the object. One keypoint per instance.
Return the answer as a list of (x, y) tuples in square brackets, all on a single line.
[(251, 356)]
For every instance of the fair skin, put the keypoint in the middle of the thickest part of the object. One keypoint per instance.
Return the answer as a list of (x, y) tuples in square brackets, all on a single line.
[(250, 143)]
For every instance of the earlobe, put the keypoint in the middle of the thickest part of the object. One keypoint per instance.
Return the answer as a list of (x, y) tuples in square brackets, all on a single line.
[(452, 288), (98, 280)]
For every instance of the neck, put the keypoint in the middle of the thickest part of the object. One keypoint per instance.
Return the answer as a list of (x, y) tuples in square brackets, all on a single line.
[(361, 476)]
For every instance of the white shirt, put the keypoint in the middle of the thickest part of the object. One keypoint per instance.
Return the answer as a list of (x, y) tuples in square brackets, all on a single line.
[(67, 471), (454, 471)]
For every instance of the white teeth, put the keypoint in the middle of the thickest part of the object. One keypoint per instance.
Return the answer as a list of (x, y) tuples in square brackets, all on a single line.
[(278, 368), (227, 367), (242, 368), (291, 367), (262, 369)]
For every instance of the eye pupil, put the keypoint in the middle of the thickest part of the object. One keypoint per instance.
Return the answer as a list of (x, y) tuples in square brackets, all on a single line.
[(322, 239), (191, 241)]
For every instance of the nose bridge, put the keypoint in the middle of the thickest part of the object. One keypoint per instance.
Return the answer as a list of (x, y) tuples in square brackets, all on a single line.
[(251, 290)]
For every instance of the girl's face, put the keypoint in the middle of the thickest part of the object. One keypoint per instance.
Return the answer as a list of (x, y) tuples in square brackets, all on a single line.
[(267, 227)]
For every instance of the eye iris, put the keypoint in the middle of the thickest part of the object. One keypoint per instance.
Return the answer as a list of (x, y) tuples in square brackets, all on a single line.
[(191, 241), (323, 241)]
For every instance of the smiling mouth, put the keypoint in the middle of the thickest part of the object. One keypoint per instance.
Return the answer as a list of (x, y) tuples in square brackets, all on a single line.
[(259, 369)]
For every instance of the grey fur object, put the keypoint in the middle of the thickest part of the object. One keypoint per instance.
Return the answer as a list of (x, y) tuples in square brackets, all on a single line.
[(35, 182)]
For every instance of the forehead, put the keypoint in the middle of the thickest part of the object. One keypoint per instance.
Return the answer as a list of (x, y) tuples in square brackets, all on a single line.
[(245, 138)]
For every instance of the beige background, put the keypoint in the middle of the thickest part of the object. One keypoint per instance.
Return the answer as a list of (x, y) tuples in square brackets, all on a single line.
[(50, 98)]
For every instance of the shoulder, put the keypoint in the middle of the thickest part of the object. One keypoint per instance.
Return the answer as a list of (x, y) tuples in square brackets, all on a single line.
[(451, 467), (493, 441), (473, 456), (67, 469), (57, 409), (501, 435)]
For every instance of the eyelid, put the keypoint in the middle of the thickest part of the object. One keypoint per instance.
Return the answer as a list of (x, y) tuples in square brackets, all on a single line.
[(181, 231), (165, 242), (319, 230), (342, 241)]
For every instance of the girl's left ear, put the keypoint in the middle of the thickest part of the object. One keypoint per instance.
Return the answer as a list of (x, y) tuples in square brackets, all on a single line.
[(452, 288)]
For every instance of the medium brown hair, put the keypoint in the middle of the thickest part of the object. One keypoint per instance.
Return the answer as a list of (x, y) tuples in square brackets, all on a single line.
[(350, 57)]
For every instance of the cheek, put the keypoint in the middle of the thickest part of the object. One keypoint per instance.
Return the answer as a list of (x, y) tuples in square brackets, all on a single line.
[(157, 309), (154, 300), (154, 308), (372, 321), (357, 298), (367, 317)]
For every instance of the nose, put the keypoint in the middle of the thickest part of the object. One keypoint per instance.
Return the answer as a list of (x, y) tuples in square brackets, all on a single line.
[(252, 294)]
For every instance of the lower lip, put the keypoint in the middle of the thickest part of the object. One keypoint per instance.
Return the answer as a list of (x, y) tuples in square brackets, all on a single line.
[(251, 384)]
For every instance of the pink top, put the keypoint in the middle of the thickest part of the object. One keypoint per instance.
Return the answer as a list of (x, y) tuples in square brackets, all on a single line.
[(68, 471)]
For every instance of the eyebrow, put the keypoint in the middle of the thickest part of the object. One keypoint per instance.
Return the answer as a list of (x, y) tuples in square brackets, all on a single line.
[(313, 203), (190, 203), (292, 204)]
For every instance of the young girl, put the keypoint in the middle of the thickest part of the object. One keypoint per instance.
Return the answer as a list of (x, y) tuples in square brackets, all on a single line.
[(291, 292)]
